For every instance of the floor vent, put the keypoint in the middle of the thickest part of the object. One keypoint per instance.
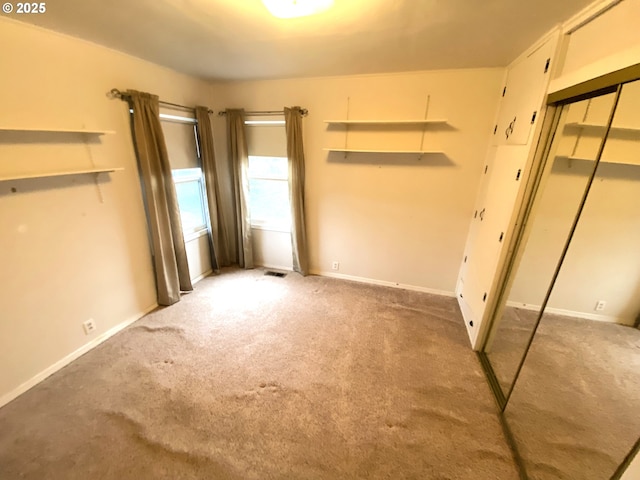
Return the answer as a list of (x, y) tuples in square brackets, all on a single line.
[(275, 274)]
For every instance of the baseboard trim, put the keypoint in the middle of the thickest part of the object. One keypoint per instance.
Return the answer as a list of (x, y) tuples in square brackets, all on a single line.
[(63, 362), (200, 277), (570, 313), (384, 283), (275, 267)]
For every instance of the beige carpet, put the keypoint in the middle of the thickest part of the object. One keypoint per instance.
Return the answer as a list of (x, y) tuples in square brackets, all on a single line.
[(511, 341), (575, 411), (255, 377)]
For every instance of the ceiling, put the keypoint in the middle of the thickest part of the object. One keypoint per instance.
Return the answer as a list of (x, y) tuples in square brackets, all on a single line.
[(239, 39)]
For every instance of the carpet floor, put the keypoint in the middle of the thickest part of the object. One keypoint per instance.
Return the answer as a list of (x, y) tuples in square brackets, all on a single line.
[(574, 410), (510, 344), (256, 377)]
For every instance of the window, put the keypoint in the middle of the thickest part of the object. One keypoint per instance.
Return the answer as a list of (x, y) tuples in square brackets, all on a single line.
[(189, 188), (269, 193), (184, 155)]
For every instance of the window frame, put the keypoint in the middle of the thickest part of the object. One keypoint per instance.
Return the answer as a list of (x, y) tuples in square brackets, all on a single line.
[(205, 228), (283, 226), (202, 229)]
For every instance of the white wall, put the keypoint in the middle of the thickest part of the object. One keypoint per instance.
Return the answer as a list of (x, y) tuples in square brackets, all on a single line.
[(633, 471), (198, 257), (272, 249), (613, 31), (67, 256), (384, 217)]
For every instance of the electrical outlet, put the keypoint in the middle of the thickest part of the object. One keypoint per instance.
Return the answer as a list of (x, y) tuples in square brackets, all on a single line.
[(335, 266), (89, 326), (600, 305)]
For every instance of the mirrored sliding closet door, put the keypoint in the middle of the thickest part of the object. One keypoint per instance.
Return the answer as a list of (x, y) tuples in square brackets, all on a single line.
[(565, 344)]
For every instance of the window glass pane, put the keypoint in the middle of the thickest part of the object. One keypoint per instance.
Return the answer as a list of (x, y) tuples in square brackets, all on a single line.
[(186, 174), (269, 202), (190, 201), (268, 167)]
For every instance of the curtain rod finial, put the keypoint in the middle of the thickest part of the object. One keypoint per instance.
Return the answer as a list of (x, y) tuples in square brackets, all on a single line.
[(114, 93)]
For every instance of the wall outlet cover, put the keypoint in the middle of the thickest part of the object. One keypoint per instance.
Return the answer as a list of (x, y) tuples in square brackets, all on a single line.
[(89, 326)]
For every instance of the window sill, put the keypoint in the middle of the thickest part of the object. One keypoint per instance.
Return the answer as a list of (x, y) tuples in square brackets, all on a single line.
[(195, 235), (272, 228)]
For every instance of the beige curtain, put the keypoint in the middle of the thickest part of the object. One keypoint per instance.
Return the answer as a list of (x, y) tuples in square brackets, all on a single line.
[(161, 202), (240, 165), (295, 153), (219, 238)]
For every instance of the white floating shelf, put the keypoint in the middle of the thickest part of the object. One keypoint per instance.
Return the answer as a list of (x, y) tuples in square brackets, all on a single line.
[(359, 150), (60, 173), (602, 160), (597, 125), (58, 130), (384, 122)]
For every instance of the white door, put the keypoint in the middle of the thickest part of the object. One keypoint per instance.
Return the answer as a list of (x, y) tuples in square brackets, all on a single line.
[(488, 232), (523, 98), (524, 89)]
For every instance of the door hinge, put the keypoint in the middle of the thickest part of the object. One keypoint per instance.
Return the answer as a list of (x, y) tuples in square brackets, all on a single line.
[(518, 175), (533, 117), (546, 65)]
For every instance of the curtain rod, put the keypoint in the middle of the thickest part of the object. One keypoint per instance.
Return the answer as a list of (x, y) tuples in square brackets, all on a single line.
[(304, 112), (115, 93)]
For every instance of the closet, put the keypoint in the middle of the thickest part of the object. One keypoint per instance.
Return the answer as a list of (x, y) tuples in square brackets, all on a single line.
[(504, 179), (562, 353)]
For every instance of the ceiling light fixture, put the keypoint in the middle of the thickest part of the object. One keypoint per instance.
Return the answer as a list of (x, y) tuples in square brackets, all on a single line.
[(296, 8)]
